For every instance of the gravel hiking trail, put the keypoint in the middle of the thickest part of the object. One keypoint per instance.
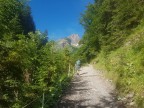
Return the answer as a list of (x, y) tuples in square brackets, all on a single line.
[(89, 89)]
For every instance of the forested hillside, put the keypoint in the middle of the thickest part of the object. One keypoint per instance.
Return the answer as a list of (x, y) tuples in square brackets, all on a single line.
[(31, 69), (113, 39), (33, 72)]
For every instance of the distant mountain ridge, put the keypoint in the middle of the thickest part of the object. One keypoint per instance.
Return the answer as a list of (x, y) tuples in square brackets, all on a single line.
[(72, 40)]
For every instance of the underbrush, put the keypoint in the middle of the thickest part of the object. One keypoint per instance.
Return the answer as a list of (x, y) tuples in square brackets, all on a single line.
[(125, 66), (56, 91), (53, 95)]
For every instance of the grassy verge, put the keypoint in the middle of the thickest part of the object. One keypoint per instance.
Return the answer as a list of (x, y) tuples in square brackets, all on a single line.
[(125, 67)]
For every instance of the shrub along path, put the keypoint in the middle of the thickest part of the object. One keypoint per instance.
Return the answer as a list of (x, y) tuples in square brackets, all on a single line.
[(89, 89)]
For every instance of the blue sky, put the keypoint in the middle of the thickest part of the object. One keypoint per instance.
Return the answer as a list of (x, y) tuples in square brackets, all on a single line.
[(59, 17)]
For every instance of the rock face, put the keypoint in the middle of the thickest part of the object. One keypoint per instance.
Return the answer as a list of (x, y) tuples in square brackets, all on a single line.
[(72, 40)]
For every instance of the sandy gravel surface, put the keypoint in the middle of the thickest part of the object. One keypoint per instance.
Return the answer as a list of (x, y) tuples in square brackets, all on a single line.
[(89, 89)]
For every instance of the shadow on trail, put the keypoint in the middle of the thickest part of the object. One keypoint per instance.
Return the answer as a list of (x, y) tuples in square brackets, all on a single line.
[(72, 97), (83, 73), (78, 87)]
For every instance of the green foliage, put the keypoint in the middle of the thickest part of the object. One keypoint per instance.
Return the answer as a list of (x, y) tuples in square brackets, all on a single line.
[(30, 64), (114, 36), (29, 67), (125, 66), (107, 24), (15, 17)]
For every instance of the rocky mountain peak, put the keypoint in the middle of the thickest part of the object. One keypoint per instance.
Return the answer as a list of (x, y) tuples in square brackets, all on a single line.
[(72, 40), (75, 38)]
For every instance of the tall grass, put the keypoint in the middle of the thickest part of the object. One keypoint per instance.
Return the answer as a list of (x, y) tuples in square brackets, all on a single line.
[(125, 66)]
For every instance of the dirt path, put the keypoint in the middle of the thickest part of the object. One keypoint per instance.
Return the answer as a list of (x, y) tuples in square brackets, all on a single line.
[(89, 90)]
